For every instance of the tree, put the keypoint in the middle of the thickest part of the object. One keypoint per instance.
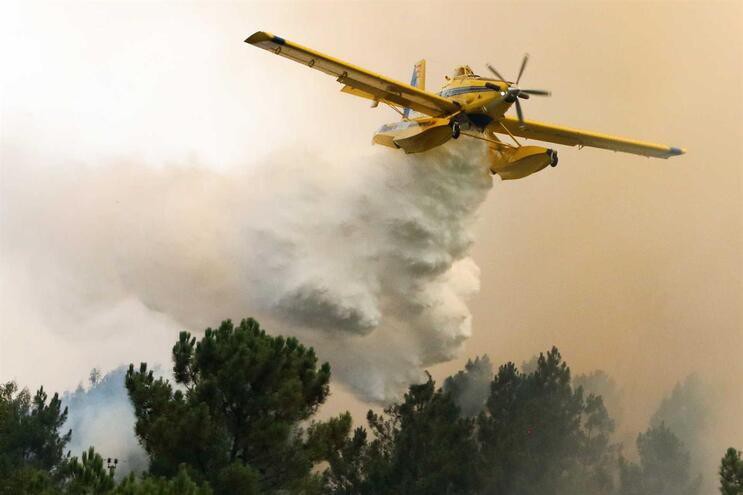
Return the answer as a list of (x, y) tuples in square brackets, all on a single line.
[(94, 377), (420, 446), (470, 387), (539, 435), (731, 473), (423, 445), (686, 413), (348, 465), (599, 383), (234, 416), (663, 469), (180, 484), (31, 446), (88, 475)]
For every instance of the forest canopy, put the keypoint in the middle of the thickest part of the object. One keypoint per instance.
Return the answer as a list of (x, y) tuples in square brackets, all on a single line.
[(237, 415)]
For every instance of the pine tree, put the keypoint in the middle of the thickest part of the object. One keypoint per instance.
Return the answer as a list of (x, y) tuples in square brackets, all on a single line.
[(540, 435), (664, 467), (234, 418), (422, 446), (88, 474), (470, 387), (31, 445), (731, 473)]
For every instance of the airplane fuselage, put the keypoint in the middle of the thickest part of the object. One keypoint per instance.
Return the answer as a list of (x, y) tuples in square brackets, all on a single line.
[(482, 102)]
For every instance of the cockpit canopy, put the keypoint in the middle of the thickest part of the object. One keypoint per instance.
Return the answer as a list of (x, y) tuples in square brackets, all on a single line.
[(462, 72)]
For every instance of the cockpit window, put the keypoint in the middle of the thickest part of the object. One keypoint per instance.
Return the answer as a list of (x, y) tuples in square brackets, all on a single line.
[(464, 71)]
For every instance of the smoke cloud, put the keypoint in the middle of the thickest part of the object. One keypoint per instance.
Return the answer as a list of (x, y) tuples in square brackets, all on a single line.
[(102, 416), (366, 258)]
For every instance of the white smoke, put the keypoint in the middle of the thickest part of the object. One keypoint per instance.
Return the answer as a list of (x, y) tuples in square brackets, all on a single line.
[(103, 417), (365, 258)]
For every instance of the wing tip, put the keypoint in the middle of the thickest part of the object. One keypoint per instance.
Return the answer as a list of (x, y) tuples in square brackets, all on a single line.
[(260, 36)]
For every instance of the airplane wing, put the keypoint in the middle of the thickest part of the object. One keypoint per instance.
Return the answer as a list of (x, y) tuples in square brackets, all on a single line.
[(358, 81), (574, 137)]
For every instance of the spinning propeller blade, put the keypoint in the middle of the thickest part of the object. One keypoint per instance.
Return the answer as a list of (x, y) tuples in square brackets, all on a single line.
[(523, 66), (519, 112), (497, 74), (537, 92), (513, 93)]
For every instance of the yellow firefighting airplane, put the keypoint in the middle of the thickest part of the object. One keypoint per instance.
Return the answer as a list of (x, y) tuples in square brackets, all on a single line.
[(467, 102)]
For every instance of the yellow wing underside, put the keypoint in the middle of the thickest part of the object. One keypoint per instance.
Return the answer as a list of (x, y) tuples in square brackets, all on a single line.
[(358, 81), (575, 137)]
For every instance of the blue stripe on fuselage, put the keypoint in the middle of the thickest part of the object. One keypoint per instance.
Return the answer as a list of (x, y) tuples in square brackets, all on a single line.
[(463, 90)]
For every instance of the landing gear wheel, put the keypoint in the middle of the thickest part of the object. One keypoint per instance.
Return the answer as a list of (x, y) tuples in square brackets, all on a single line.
[(553, 158), (455, 130)]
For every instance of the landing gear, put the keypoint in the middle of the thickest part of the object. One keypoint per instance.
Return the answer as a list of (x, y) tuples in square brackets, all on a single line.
[(455, 130), (553, 157)]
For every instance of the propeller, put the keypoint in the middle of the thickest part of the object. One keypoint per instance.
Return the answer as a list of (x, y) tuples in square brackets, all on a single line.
[(513, 92)]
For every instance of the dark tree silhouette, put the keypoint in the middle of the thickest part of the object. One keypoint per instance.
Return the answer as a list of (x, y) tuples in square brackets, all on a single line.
[(664, 467), (234, 416), (539, 435), (731, 473), (420, 446), (31, 445)]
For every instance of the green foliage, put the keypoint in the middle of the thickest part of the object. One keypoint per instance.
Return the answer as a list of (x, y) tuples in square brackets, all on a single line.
[(325, 439), (347, 466), (31, 447), (539, 435), (599, 383), (731, 473), (535, 434), (238, 420), (180, 484), (238, 478), (420, 446), (88, 475), (235, 417), (663, 469)]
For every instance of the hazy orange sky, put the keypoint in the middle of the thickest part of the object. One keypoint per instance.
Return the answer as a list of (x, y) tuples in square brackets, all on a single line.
[(625, 263)]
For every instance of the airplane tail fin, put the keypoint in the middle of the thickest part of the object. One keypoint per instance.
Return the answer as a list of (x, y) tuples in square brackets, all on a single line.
[(418, 80)]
